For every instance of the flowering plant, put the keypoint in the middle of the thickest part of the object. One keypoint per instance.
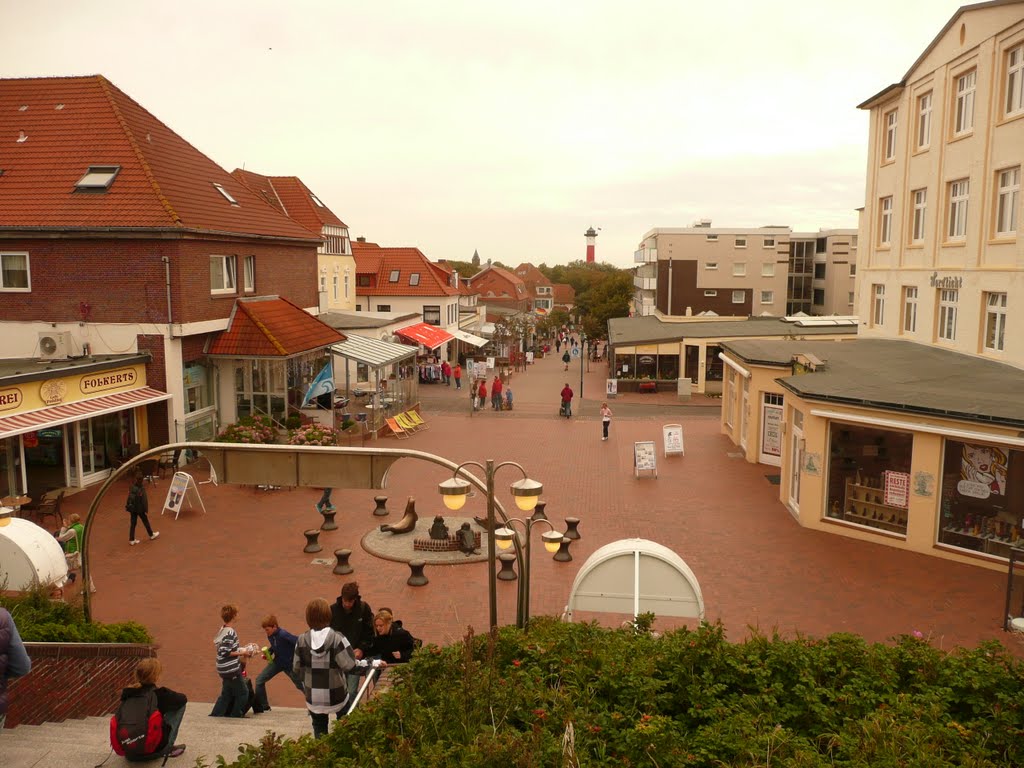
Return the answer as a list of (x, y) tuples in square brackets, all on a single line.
[(313, 434), (249, 429)]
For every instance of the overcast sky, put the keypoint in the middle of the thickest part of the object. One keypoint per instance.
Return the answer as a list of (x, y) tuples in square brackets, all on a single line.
[(509, 128)]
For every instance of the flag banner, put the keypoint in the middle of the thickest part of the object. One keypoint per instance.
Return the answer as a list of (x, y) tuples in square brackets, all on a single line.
[(323, 384)]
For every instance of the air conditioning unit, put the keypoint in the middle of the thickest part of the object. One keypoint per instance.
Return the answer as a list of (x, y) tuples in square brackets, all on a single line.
[(54, 345)]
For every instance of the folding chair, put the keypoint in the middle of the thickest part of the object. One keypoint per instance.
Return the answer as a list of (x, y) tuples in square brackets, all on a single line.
[(406, 423), (48, 505), (416, 419), (168, 461), (396, 428)]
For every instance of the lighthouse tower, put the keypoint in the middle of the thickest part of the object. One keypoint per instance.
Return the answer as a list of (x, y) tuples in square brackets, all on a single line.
[(591, 235)]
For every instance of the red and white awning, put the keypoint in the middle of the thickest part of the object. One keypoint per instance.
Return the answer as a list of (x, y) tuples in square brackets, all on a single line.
[(430, 336), (55, 415)]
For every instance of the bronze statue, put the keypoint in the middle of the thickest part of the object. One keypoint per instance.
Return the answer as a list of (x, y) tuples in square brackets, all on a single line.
[(439, 530), (408, 522), (467, 541)]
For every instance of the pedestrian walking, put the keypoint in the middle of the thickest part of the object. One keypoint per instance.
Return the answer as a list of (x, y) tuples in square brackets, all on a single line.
[(496, 393), (446, 373), (137, 506), (481, 394), (558, 345), (457, 374), (566, 358), (606, 419)]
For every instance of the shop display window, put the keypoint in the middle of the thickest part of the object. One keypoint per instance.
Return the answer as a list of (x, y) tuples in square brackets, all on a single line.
[(981, 497), (869, 477)]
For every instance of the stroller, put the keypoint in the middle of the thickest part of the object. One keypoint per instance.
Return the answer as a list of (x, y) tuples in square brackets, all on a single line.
[(565, 409)]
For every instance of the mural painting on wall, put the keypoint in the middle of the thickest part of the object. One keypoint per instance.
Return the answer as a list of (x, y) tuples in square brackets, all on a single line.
[(982, 471)]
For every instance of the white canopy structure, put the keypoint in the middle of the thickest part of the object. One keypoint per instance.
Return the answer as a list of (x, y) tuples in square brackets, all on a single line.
[(636, 576), (30, 556)]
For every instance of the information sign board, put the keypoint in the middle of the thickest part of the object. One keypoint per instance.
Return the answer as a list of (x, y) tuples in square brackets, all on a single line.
[(645, 457), (673, 437), (183, 488)]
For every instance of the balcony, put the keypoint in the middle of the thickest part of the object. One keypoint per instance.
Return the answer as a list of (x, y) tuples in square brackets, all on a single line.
[(645, 255), (645, 283)]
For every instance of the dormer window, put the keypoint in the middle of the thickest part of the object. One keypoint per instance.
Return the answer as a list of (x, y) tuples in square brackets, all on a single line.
[(414, 278), (393, 277), (227, 195), (98, 178)]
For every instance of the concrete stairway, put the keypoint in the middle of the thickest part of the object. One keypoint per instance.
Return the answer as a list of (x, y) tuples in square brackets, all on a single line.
[(84, 743)]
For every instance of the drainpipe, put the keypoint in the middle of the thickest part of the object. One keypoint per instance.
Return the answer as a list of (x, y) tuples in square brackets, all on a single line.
[(167, 283), (669, 286)]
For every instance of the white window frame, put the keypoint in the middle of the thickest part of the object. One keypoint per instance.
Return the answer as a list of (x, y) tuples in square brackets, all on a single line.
[(28, 272), (963, 109), (249, 274), (1015, 81), (910, 309), (851, 298), (1007, 201), (878, 305), (394, 275), (769, 242), (711, 265), (948, 300), (346, 285), (741, 242), (995, 321), (920, 212), (853, 268), (767, 297), (739, 269), (224, 193), (711, 238), (738, 297), (431, 308), (334, 286), (885, 221), (768, 269), (959, 199), (710, 294), (414, 279), (323, 283), (924, 120), (889, 148), (228, 274)]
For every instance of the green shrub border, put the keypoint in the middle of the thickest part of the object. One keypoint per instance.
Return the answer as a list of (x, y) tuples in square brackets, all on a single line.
[(42, 620)]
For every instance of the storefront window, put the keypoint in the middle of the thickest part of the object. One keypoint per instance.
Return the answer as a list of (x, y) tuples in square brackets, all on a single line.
[(668, 367), (981, 487), (714, 365), (869, 477), (196, 381), (647, 366)]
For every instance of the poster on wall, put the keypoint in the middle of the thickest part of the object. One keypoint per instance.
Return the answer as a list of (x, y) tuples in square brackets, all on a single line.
[(771, 432), (982, 471), (897, 488)]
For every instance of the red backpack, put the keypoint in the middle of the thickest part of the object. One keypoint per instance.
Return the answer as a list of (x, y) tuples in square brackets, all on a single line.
[(137, 728)]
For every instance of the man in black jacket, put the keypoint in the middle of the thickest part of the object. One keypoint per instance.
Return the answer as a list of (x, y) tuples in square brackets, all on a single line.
[(354, 619)]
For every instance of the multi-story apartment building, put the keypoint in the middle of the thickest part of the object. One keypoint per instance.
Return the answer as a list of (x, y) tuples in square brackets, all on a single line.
[(335, 265), (743, 272), (911, 435)]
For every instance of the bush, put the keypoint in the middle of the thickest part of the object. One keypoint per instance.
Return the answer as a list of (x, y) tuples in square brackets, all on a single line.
[(294, 421), (313, 434), (42, 620), (249, 429), (579, 695)]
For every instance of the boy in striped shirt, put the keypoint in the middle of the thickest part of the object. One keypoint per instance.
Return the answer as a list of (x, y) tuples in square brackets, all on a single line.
[(229, 667)]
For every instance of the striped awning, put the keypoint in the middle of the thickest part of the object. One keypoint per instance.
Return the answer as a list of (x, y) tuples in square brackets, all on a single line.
[(55, 415), (430, 336)]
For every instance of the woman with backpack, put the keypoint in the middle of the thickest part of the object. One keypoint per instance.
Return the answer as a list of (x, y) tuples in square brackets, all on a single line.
[(137, 506), (131, 732)]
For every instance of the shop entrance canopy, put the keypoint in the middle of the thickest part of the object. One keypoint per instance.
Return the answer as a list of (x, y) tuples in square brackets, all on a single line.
[(373, 352), (469, 338), (430, 336)]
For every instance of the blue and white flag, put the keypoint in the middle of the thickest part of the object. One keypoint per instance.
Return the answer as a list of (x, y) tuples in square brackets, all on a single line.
[(322, 384)]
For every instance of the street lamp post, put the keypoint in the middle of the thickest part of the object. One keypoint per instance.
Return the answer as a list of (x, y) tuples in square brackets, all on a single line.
[(526, 492), (505, 537), (583, 340)]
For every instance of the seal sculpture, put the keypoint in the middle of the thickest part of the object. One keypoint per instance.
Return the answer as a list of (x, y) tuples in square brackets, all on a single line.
[(408, 522)]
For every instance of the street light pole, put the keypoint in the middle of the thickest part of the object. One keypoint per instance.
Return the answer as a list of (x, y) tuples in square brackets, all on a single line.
[(506, 536), (492, 557)]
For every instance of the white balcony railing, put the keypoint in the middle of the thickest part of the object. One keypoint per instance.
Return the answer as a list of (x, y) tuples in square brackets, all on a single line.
[(645, 255), (645, 283)]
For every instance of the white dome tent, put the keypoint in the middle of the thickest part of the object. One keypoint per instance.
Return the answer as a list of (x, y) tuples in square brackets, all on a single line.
[(29, 556), (636, 576)]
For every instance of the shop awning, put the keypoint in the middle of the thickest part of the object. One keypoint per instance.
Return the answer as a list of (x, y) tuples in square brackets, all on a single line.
[(430, 336), (487, 329), (469, 338), (373, 352), (56, 415)]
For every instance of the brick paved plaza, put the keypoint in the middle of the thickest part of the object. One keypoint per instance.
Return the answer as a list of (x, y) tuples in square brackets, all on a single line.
[(756, 566)]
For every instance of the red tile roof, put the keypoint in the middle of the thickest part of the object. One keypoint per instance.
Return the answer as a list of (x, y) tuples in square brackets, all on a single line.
[(498, 282), (563, 293), (72, 123), (530, 275), (269, 326), (292, 197), (381, 262)]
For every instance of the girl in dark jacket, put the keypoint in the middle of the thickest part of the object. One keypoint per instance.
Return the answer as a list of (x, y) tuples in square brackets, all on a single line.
[(170, 703), (392, 643)]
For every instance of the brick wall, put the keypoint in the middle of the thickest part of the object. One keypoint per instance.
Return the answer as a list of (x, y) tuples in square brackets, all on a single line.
[(72, 680), (156, 377)]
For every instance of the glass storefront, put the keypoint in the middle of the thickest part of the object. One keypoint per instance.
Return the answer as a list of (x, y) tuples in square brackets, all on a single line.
[(980, 497), (869, 477), (647, 366)]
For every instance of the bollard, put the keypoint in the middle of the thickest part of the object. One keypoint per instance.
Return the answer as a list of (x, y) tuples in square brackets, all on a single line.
[(571, 524), (329, 524), (312, 543), (382, 506), (562, 555), (538, 512), (507, 572), (343, 567), (416, 578)]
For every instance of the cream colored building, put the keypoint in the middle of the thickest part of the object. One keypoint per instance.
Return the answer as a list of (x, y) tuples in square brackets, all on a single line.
[(913, 434)]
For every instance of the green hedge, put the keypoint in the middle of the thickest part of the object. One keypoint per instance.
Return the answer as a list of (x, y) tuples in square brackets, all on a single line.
[(42, 620), (579, 695)]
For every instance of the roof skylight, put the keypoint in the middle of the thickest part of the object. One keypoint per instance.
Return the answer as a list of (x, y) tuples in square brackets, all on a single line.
[(414, 278), (98, 178), (393, 278), (224, 192), (317, 200)]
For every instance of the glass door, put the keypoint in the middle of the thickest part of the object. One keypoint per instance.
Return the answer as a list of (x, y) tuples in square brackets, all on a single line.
[(796, 460)]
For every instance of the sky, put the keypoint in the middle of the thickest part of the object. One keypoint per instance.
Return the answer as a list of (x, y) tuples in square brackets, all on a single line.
[(509, 128)]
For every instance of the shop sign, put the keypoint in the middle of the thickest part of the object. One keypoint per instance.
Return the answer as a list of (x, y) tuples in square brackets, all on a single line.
[(125, 377), (974, 489), (897, 488), (645, 360), (53, 391), (948, 282), (10, 398), (771, 432)]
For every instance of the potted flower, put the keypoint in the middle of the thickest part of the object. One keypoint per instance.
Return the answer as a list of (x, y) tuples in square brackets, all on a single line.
[(313, 434), (249, 429)]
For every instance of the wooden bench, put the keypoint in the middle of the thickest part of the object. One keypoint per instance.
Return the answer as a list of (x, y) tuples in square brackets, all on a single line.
[(647, 386)]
